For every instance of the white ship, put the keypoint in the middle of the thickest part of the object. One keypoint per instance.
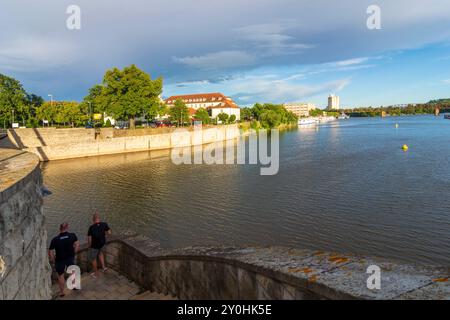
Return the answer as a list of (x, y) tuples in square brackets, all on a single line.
[(307, 121), (343, 116), (326, 119)]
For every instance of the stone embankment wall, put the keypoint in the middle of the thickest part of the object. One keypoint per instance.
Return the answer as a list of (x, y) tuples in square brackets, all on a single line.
[(266, 273), (24, 268), (54, 144)]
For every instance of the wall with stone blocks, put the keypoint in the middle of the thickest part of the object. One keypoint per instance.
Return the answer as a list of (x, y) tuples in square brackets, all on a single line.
[(24, 267), (192, 277), (55, 144)]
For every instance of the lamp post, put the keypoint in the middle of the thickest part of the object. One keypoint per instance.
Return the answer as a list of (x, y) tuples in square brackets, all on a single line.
[(51, 99), (90, 110)]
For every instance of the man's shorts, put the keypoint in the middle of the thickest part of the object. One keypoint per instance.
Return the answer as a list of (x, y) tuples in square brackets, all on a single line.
[(60, 266), (94, 253)]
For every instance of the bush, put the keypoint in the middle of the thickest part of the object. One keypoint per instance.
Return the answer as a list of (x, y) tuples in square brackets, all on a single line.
[(232, 119), (108, 123), (223, 117), (270, 119)]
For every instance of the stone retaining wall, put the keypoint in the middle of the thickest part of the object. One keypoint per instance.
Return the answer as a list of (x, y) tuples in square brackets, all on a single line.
[(266, 273), (24, 267), (55, 144)]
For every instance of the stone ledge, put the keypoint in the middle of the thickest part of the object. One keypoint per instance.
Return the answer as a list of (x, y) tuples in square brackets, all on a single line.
[(25, 270), (17, 169), (269, 273)]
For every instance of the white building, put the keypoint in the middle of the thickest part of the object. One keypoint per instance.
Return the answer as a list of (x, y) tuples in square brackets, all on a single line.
[(333, 102), (215, 103), (300, 109)]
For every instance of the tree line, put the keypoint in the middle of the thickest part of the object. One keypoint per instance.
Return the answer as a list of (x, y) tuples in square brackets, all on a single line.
[(411, 109), (268, 116), (124, 94)]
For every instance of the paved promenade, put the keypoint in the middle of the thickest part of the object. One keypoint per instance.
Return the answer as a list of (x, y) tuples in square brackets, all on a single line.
[(109, 286)]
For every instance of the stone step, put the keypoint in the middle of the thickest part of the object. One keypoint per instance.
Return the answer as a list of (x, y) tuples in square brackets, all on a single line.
[(148, 295)]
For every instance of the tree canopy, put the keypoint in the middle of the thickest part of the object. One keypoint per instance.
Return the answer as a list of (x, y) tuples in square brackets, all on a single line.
[(268, 115), (63, 113), (223, 117), (179, 113), (126, 94), (202, 115), (15, 103)]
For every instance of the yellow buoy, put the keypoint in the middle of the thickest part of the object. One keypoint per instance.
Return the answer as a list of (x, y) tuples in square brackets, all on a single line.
[(405, 147)]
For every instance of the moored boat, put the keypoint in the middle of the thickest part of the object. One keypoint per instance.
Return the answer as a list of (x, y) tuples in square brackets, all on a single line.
[(343, 116), (307, 121)]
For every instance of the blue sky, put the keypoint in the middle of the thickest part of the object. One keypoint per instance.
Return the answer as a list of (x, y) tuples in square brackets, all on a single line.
[(253, 50)]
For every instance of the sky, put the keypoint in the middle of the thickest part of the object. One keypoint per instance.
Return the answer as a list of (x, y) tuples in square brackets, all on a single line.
[(273, 51)]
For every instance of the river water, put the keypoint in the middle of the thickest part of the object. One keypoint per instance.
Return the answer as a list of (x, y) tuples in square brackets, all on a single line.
[(345, 186)]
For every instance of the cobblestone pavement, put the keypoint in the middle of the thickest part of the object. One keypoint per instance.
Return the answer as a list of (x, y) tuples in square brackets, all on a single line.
[(109, 285)]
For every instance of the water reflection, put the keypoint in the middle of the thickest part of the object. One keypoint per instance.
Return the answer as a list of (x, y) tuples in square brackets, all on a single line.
[(346, 186)]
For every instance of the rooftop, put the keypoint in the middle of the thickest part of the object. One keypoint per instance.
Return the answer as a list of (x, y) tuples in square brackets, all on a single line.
[(204, 98)]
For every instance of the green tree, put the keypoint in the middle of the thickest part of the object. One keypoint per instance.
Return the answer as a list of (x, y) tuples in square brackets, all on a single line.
[(246, 114), (232, 119), (268, 115), (73, 113), (33, 101), (12, 101), (316, 112), (270, 119), (202, 115), (129, 93), (223, 117), (179, 113), (46, 111), (95, 101)]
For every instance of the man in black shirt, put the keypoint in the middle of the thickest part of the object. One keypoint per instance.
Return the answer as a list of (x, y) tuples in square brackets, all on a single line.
[(65, 245), (97, 240)]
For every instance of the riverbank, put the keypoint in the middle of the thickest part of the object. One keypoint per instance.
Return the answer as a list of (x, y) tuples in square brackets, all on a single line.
[(247, 126), (56, 144)]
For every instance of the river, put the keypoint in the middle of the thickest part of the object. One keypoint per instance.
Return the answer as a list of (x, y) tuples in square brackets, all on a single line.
[(345, 186)]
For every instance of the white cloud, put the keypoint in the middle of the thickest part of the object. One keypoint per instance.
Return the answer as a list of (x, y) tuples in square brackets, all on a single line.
[(278, 91), (218, 60), (351, 62), (35, 53), (446, 81), (273, 37)]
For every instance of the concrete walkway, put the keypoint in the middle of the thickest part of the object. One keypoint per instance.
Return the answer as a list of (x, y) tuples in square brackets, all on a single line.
[(110, 285)]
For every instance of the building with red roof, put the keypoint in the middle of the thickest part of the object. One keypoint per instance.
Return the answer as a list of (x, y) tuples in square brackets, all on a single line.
[(215, 103)]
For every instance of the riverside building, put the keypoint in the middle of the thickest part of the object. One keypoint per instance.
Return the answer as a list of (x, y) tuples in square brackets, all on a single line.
[(300, 109), (214, 103), (333, 102)]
